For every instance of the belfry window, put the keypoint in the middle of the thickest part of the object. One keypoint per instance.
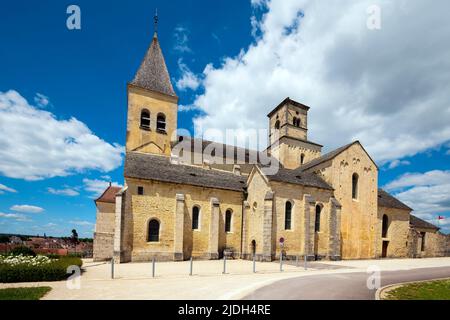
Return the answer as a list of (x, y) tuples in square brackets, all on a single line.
[(355, 179), (277, 125), (302, 158), (296, 122), (161, 123), (288, 216), (145, 119), (228, 216), (153, 231), (195, 217), (317, 222)]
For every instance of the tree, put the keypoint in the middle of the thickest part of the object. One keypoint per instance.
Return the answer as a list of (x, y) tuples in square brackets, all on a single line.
[(74, 237)]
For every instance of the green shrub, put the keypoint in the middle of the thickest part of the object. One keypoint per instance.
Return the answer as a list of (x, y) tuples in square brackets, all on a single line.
[(54, 271), (22, 250)]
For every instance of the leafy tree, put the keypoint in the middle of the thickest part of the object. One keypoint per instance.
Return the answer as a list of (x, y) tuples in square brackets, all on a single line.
[(74, 237), (4, 239)]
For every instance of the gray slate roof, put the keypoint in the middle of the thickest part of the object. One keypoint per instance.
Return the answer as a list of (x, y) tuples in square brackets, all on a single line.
[(153, 74), (226, 149), (388, 201), (159, 168), (419, 223), (299, 177)]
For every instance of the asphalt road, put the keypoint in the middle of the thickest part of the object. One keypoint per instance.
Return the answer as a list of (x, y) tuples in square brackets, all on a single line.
[(340, 286)]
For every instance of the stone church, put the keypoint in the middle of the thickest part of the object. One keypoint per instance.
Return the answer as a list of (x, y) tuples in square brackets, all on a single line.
[(173, 208)]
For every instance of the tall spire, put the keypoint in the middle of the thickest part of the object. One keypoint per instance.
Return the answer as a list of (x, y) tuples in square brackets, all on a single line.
[(152, 73)]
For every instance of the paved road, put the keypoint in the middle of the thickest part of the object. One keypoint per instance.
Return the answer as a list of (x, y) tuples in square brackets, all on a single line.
[(340, 286)]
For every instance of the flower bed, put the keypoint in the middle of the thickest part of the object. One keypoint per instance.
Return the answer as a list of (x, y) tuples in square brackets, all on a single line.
[(31, 269)]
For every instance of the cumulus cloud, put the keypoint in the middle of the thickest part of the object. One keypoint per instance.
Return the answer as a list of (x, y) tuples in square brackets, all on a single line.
[(64, 192), (15, 216), (181, 35), (397, 163), (27, 208), (97, 186), (81, 223), (386, 88), (41, 100), (188, 79), (427, 193), (35, 145), (4, 189)]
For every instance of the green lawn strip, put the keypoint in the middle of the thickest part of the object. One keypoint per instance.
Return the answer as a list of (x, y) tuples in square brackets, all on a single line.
[(31, 293), (430, 290)]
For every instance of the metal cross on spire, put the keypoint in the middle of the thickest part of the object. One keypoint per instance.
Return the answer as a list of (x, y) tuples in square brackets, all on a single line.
[(155, 18)]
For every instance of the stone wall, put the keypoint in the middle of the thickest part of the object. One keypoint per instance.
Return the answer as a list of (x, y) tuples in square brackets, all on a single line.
[(104, 231), (359, 217), (397, 232), (162, 201), (436, 243)]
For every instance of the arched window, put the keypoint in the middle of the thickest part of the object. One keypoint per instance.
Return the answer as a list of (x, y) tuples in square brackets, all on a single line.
[(228, 216), (153, 231), (277, 125), (355, 179), (288, 216), (317, 221), (385, 226), (195, 218), (161, 122), (296, 122), (145, 119), (302, 158)]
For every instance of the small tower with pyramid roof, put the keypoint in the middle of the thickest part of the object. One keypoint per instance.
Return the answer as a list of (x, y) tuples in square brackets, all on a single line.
[(152, 105)]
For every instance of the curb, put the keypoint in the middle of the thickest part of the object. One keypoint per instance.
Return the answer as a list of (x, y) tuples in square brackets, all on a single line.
[(389, 287)]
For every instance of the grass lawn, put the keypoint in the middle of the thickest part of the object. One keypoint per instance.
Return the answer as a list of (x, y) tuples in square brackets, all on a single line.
[(34, 293), (430, 290)]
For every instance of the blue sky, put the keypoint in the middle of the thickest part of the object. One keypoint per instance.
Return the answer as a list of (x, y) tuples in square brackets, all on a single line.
[(224, 57)]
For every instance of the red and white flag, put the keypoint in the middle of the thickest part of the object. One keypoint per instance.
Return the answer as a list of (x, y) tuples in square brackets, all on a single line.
[(441, 218)]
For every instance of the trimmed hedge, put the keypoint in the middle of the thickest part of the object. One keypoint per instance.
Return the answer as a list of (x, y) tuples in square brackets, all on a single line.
[(22, 250), (54, 271)]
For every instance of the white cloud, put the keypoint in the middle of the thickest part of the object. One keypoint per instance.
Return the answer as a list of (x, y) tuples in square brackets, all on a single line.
[(41, 100), (188, 79), (34, 145), (64, 192), (97, 186), (4, 189), (16, 216), (26, 208), (81, 223), (430, 178), (386, 88), (427, 193), (181, 35), (397, 163), (50, 225)]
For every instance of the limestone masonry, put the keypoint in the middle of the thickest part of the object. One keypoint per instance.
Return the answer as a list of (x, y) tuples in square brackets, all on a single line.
[(185, 198)]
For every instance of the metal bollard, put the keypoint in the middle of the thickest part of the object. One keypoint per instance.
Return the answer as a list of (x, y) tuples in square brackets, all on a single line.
[(112, 268), (281, 262), (224, 264), (306, 262), (254, 263), (191, 267), (153, 267)]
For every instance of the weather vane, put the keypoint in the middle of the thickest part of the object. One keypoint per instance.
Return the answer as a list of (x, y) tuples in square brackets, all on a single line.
[(155, 18)]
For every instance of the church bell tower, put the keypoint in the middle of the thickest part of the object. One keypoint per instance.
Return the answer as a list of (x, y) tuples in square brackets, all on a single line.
[(288, 127), (152, 105)]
